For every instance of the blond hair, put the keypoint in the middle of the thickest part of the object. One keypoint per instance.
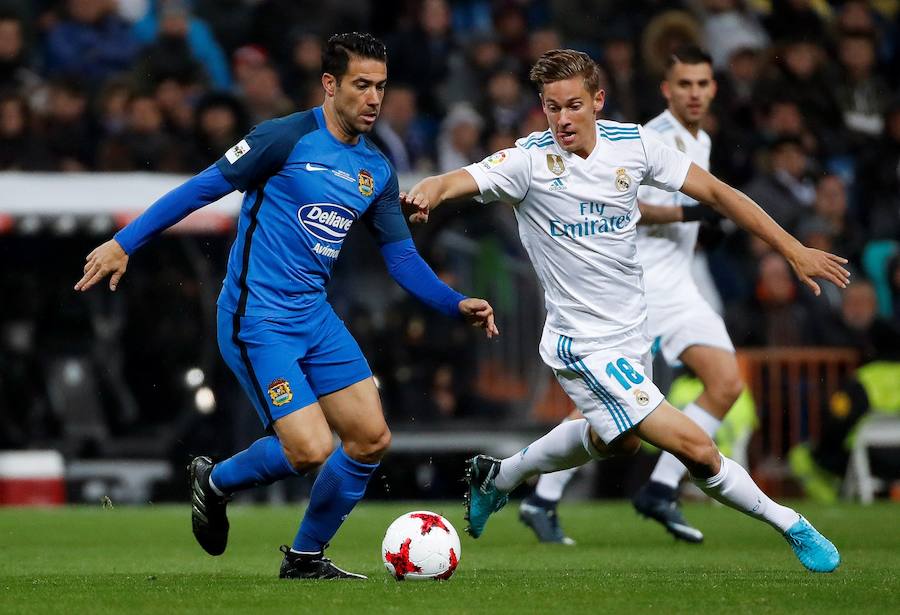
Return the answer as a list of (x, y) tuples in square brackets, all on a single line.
[(559, 64)]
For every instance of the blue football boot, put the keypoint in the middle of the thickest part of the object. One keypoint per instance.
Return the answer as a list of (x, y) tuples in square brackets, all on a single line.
[(812, 549), (482, 498)]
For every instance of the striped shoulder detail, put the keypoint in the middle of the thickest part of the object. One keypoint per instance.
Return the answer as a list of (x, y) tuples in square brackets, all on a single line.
[(614, 131), (660, 124), (536, 139)]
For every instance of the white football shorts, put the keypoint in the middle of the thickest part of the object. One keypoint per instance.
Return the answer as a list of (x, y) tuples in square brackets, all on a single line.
[(685, 322), (612, 387)]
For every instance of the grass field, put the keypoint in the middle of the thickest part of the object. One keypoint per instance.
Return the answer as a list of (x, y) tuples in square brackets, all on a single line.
[(91, 560)]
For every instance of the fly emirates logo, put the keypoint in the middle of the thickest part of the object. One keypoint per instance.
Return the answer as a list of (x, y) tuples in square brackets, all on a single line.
[(593, 222)]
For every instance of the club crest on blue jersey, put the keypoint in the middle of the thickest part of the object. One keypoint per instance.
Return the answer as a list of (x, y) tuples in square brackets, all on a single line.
[(366, 183), (280, 391), (326, 221)]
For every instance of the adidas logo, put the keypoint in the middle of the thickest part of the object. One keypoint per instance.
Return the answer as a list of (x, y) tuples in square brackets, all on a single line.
[(557, 184)]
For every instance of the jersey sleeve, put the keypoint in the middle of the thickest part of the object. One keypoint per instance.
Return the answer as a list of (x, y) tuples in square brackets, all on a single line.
[(667, 168), (384, 218), (259, 155), (502, 176)]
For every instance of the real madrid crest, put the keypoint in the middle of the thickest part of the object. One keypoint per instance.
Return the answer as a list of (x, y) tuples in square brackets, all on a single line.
[(641, 397), (280, 391), (679, 143), (366, 183), (623, 182), (555, 164)]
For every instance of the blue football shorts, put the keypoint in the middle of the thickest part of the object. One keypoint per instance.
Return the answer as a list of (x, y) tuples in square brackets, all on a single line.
[(287, 363)]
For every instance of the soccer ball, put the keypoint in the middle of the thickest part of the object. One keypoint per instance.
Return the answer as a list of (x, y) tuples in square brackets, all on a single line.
[(420, 545)]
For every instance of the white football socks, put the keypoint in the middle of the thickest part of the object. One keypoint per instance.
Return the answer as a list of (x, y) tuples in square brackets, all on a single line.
[(733, 487), (568, 445), (669, 471), (550, 487)]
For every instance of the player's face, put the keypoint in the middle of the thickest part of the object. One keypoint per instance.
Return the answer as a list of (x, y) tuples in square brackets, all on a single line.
[(689, 89), (358, 95), (571, 111)]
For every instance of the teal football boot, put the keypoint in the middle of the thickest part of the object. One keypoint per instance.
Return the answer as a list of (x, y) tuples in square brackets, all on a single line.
[(812, 549), (482, 497)]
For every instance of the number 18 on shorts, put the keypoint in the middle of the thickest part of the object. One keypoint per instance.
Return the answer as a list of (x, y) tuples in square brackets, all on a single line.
[(612, 387)]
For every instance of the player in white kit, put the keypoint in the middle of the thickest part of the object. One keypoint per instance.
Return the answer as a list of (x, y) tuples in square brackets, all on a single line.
[(680, 320), (574, 190)]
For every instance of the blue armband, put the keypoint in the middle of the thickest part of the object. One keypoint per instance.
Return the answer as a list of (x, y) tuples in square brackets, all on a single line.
[(200, 190), (416, 277)]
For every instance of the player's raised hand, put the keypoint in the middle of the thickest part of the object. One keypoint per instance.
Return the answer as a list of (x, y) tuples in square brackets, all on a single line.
[(421, 198), (105, 259), (809, 263), (479, 313)]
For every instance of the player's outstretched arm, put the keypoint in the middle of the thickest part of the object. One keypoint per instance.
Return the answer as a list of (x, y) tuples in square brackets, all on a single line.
[(414, 275), (432, 191), (664, 214), (111, 258), (806, 262)]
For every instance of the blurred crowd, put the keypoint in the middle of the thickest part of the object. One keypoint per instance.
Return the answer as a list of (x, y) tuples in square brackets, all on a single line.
[(806, 121)]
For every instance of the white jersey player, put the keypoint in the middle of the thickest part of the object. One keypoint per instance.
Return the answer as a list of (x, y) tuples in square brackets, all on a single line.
[(574, 189), (681, 322)]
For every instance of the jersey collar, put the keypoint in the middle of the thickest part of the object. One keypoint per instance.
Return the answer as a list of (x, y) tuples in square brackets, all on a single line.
[(319, 114)]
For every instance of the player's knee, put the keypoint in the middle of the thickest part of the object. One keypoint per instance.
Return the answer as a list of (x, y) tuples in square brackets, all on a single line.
[(371, 447), (727, 390), (308, 455), (703, 456), (626, 445)]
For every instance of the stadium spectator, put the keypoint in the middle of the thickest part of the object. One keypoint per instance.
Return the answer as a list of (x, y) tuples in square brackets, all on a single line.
[(847, 234), (785, 191), (111, 106), (262, 96), (15, 72), (469, 69), (221, 122), (730, 26), (636, 97), (861, 93), (67, 129), (301, 74), (143, 145), (859, 326), (796, 18), (776, 317), (420, 53), (398, 132), (459, 141), (506, 104), (90, 43), (183, 40), (19, 149), (800, 73), (878, 181)]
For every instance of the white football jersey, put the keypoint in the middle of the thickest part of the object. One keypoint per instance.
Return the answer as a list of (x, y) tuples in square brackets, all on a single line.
[(577, 220), (667, 250)]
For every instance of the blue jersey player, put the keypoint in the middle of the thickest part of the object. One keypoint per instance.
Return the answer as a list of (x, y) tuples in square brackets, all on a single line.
[(307, 179)]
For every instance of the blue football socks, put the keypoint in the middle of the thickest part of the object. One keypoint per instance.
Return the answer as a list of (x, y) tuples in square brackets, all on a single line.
[(262, 463), (340, 485)]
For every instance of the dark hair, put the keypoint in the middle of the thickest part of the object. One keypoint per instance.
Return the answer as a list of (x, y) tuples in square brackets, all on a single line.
[(559, 64), (337, 51), (688, 54)]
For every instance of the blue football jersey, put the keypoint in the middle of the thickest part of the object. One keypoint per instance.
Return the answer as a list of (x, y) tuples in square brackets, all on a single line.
[(304, 190)]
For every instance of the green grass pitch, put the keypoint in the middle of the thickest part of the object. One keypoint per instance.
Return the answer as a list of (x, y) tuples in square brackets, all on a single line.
[(95, 560)]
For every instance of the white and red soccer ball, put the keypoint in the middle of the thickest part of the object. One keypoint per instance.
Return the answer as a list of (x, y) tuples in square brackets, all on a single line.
[(420, 545)]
